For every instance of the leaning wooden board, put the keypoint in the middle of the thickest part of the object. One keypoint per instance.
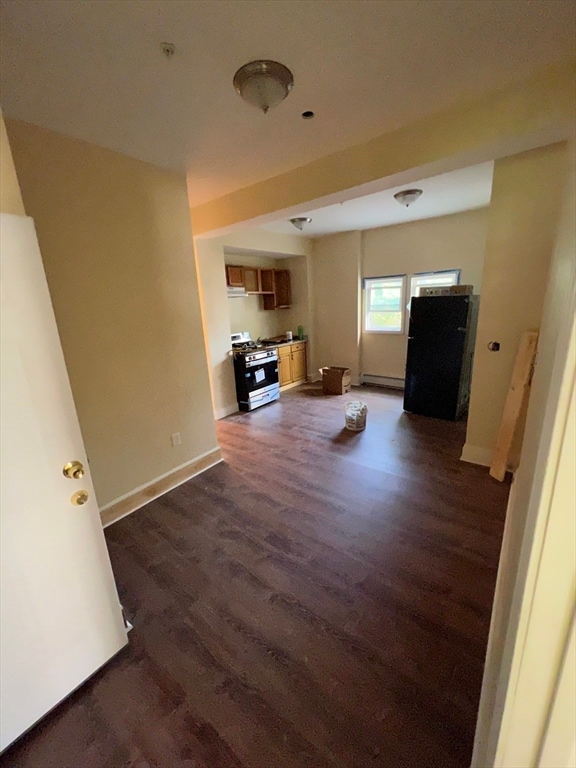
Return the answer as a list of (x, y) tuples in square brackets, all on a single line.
[(517, 393)]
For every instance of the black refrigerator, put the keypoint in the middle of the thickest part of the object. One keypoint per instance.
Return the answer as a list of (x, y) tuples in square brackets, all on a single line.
[(441, 341)]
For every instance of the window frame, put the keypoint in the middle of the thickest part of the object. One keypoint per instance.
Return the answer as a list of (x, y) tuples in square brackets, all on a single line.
[(407, 296), (457, 272), (366, 287)]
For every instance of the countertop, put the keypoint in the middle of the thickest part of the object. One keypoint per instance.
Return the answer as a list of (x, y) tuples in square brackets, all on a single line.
[(270, 346), (285, 343)]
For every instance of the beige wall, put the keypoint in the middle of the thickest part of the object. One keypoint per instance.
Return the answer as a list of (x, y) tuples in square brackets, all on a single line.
[(300, 311), (336, 322), (10, 196), (117, 247), (216, 324), (535, 586), (526, 197), (448, 242), (339, 262), (217, 307)]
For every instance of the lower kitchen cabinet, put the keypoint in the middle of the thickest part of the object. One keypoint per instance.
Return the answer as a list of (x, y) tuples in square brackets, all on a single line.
[(292, 363), (298, 362), (284, 367)]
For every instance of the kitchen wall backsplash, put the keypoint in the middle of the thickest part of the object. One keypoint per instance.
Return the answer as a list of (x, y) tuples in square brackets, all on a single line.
[(246, 314)]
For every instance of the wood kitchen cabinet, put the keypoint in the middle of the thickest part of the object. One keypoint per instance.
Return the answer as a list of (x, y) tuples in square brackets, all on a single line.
[(267, 281), (258, 281), (272, 284), (282, 292), (281, 297), (251, 280), (234, 276), (292, 363), (299, 361), (284, 365)]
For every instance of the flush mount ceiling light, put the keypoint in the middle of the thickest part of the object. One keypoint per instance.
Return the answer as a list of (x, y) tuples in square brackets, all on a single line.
[(263, 83), (407, 196), (299, 222)]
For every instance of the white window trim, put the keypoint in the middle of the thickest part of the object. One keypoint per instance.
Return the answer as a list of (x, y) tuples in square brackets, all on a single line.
[(403, 327), (458, 273), (407, 279)]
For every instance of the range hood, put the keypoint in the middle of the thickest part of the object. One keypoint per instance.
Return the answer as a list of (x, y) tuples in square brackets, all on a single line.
[(236, 292)]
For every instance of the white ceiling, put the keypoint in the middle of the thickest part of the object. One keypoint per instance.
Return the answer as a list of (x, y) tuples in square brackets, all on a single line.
[(447, 193), (94, 70)]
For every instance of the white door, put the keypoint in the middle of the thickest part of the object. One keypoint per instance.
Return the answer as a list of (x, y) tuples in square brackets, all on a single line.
[(60, 616)]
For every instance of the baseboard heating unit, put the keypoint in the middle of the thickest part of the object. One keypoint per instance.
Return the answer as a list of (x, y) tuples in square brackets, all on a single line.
[(382, 381)]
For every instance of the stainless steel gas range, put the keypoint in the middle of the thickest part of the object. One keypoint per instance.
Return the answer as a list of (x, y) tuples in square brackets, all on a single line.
[(255, 372)]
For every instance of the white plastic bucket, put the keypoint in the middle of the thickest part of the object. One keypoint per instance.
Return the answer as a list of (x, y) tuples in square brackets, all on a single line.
[(355, 412)]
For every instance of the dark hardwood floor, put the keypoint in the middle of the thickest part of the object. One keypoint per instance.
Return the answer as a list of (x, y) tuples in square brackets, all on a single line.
[(321, 599)]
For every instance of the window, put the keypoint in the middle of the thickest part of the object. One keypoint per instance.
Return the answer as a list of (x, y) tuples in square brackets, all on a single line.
[(383, 304), (433, 280), (385, 297)]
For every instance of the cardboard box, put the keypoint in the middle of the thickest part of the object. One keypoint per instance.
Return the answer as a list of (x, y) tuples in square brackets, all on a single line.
[(335, 381)]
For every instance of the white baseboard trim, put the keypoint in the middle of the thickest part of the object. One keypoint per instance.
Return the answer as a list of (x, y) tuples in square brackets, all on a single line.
[(228, 410), (382, 381), (474, 454), (138, 497)]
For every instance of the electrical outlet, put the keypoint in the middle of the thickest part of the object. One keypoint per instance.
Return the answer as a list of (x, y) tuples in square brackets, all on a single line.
[(175, 439)]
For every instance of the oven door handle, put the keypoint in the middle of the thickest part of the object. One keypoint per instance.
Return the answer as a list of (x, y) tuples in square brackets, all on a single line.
[(259, 363)]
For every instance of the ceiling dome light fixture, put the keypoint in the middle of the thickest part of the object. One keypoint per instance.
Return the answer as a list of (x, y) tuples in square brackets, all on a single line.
[(263, 83), (299, 222), (407, 196)]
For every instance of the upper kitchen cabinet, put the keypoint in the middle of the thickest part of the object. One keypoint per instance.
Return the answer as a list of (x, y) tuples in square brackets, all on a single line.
[(272, 284), (251, 280), (281, 298), (267, 280), (234, 276), (258, 281)]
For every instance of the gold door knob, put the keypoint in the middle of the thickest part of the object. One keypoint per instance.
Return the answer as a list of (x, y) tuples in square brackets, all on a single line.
[(73, 469), (79, 498)]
